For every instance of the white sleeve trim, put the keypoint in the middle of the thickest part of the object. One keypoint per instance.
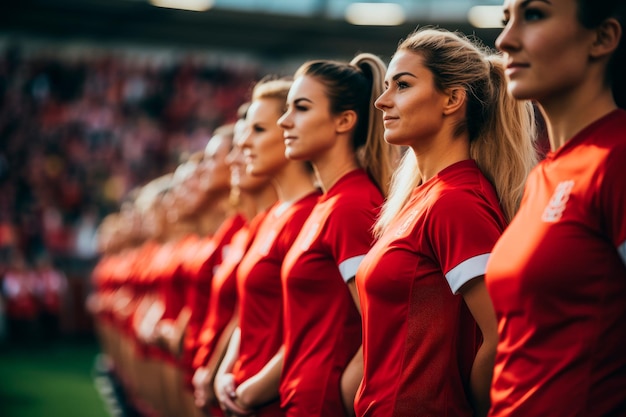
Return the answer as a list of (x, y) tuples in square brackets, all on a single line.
[(467, 270), (348, 268), (621, 249)]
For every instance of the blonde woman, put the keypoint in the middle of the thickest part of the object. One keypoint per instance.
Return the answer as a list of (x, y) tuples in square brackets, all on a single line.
[(429, 326)]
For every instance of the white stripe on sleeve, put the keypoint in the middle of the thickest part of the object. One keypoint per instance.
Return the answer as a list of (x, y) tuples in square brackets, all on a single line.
[(621, 249), (466, 270), (348, 268)]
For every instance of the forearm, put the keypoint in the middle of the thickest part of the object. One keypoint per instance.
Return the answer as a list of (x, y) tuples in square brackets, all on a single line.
[(350, 381), (232, 352), (480, 378), (218, 354), (262, 387)]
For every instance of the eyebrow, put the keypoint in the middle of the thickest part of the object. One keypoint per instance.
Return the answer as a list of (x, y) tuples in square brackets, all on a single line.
[(298, 100), (525, 3), (399, 75)]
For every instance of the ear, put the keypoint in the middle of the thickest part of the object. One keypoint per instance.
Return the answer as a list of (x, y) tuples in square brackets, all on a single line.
[(455, 100), (607, 37), (345, 121)]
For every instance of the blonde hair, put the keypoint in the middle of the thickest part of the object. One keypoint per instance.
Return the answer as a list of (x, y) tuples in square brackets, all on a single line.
[(273, 88), (356, 86), (501, 130)]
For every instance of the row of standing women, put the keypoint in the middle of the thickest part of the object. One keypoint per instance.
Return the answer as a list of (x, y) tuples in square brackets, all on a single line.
[(404, 253)]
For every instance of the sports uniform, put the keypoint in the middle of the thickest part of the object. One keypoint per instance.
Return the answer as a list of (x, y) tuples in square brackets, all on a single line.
[(199, 271), (558, 282), (322, 323), (260, 291), (419, 337), (223, 299)]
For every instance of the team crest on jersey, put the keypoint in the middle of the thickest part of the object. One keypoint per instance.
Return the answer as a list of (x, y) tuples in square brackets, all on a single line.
[(553, 212)]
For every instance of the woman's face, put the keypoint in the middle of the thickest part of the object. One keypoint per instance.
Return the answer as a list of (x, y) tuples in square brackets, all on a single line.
[(412, 107), (263, 143), (213, 172), (309, 127), (239, 176), (546, 49)]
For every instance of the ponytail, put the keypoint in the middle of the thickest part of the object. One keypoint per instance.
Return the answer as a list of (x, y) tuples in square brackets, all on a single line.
[(376, 156), (504, 147), (501, 130), (356, 86)]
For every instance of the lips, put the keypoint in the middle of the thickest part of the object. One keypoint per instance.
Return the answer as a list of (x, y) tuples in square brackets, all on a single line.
[(512, 66)]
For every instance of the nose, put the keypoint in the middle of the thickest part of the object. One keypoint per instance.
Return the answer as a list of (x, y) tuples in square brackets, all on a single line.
[(284, 120), (382, 101), (246, 139), (507, 40)]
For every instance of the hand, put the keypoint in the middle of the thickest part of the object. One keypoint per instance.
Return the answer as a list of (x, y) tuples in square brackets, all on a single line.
[(203, 392), (227, 397)]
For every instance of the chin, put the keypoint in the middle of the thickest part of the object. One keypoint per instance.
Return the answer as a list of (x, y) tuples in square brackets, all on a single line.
[(392, 140), (292, 154), (519, 92)]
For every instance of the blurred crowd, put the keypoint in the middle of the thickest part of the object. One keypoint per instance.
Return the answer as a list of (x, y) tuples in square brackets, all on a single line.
[(79, 131)]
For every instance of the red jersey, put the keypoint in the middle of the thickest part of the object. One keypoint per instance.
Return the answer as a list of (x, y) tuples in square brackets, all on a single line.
[(260, 291), (172, 286), (322, 323), (224, 292), (558, 282), (200, 270), (419, 337)]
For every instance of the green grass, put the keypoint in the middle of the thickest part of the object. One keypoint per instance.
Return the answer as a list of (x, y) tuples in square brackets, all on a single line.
[(49, 381)]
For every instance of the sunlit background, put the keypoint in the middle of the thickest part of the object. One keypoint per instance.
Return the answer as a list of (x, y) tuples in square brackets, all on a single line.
[(100, 96)]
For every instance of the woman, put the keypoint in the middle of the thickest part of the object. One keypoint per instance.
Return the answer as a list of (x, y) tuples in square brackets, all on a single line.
[(252, 196), (557, 276), (429, 327), (331, 122), (247, 379)]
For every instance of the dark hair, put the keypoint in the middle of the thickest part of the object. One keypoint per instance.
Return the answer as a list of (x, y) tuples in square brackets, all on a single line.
[(591, 14), (356, 86)]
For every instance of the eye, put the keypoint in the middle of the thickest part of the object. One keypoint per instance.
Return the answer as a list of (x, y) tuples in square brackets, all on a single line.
[(401, 85), (300, 107), (258, 129), (533, 14)]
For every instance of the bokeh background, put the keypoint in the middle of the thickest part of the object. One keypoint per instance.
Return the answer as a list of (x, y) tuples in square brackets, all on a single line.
[(98, 97)]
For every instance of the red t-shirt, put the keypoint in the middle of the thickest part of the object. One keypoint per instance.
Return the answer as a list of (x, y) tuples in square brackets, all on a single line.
[(322, 323), (223, 300), (171, 289), (558, 282), (200, 269), (419, 337), (260, 291)]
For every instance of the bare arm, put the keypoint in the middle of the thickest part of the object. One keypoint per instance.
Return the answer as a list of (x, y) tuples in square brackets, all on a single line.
[(479, 303), (352, 375), (204, 376), (224, 384), (262, 387)]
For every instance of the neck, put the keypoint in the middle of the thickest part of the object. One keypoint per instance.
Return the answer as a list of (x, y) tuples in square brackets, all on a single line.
[(336, 162), (259, 200), (293, 182), (210, 218), (440, 152), (568, 114)]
